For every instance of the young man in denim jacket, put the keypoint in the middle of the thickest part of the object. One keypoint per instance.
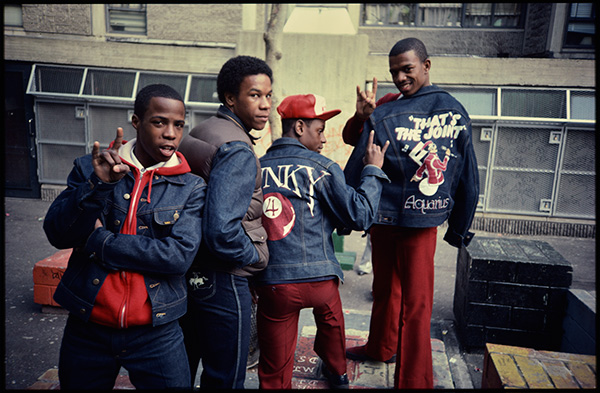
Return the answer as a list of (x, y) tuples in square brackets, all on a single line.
[(234, 242), (131, 213), (434, 178), (305, 198)]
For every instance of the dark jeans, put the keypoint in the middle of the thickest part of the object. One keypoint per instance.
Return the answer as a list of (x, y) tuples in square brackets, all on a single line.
[(217, 328), (91, 356)]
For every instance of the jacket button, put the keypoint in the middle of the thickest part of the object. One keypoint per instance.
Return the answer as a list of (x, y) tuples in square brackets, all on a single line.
[(82, 310), (95, 281), (117, 222), (126, 196)]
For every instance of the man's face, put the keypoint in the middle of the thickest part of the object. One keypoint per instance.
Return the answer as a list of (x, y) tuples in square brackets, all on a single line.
[(253, 104), (409, 73), (160, 131), (313, 136)]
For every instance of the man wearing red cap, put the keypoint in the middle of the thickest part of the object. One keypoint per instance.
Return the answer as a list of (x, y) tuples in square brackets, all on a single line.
[(305, 199)]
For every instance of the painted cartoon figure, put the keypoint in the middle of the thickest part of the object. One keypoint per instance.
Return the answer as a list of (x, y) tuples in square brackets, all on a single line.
[(434, 168)]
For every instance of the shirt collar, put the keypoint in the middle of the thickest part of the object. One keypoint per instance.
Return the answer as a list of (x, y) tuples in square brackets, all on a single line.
[(127, 152), (286, 140), (228, 114)]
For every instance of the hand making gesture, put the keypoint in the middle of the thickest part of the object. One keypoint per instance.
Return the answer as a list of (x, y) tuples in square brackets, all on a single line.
[(107, 164), (365, 101), (374, 154)]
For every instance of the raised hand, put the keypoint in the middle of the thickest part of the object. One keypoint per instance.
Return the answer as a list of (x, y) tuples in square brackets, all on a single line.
[(374, 154), (107, 164), (365, 101)]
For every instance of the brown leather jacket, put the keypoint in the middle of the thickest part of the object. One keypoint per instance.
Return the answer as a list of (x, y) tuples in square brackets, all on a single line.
[(199, 148)]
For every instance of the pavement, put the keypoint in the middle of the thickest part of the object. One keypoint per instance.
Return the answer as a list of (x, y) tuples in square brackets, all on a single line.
[(33, 333)]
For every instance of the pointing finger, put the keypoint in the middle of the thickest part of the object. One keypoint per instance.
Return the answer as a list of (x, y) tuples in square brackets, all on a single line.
[(119, 139), (96, 150), (374, 87)]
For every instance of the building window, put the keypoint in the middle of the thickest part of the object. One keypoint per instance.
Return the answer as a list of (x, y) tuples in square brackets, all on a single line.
[(534, 103), (492, 15), (581, 26), (203, 89), (126, 18), (13, 15), (481, 101), (583, 105), (495, 15)]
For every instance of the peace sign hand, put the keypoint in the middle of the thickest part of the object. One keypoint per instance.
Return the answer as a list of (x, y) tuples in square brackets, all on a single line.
[(107, 164)]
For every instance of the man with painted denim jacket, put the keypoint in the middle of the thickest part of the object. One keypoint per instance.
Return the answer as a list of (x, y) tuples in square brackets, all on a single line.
[(305, 199), (434, 176), (131, 214), (434, 147)]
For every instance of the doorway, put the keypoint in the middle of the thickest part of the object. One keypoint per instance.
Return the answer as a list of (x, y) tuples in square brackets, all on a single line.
[(20, 157)]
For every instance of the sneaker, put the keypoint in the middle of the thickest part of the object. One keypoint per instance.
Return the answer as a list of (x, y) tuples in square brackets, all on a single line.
[(360, 353), (336, 381)]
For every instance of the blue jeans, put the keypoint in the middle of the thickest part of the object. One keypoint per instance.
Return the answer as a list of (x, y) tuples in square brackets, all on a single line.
[(91, 356), (217, 328)]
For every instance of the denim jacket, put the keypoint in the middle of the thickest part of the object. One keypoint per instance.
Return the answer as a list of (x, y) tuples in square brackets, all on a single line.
[(305, 199), (431, 162), (167, 237)]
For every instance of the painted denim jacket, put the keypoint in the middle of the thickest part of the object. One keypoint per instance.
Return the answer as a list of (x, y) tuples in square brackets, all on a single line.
[(305, 199), (430, 161)]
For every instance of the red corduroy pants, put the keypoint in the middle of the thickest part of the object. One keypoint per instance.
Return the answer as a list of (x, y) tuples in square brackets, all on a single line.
[(402, 302), (277, 323)]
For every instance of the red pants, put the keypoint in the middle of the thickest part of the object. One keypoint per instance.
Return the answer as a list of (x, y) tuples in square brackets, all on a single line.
[(277, 322), (402, 302)]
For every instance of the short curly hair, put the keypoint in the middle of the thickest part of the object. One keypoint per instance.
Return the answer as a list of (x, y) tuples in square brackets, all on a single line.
[(235, 70), (142, 100), (409, 44)]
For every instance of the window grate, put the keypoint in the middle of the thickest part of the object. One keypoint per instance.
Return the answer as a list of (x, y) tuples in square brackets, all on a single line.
[(109, 83), (126, 18), (176, 81), (534, 103), (62, 80)]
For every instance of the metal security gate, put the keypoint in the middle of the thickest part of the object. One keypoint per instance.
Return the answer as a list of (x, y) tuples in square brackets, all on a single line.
[(536, 170), (576, 184)]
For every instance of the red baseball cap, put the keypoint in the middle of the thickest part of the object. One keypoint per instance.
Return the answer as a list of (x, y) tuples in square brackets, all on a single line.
[(305, 106)]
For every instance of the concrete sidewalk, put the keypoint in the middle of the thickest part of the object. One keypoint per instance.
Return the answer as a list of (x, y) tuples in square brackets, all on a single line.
[(449, 373)]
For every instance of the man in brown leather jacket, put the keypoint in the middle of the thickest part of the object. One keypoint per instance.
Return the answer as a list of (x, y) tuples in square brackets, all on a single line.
[(217, 324)]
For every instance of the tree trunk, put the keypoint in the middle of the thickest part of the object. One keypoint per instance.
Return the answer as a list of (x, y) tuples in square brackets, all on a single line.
[(273, 38)]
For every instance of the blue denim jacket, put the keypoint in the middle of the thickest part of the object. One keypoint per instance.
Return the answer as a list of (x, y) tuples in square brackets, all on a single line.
[(430, 160), (305, 199), (166, 243)]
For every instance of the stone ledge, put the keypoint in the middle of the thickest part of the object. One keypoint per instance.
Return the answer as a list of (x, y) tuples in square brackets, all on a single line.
[(508, 367)]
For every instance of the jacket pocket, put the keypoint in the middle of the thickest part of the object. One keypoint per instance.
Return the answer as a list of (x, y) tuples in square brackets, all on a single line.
[(163, 223), (258, 235)]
